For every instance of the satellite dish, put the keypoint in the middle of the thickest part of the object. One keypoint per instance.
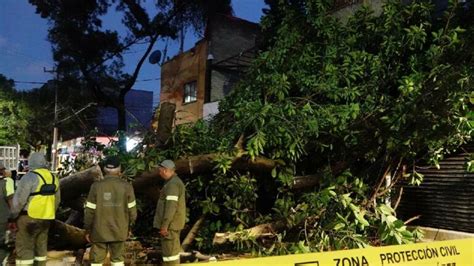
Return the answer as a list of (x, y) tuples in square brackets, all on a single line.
[(155, 57)]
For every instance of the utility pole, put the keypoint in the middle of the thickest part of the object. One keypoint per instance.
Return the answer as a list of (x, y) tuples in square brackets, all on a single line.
[(54, 149)]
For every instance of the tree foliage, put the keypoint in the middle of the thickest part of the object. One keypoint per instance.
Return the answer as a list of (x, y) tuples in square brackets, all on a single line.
[(14, 115), (379, 85), (27, 117)]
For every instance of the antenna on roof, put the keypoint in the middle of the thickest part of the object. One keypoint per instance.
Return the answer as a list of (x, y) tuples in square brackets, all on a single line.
[(155, 57)]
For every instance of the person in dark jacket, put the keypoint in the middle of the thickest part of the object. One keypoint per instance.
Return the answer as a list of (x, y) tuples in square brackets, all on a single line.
[(170, 212), (6, 195), (110, 213)]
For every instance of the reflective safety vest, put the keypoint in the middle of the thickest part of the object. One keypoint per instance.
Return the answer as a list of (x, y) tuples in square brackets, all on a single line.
[(43, 201)]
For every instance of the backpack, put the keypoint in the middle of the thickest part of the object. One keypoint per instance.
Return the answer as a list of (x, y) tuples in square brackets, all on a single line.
[(45, 189)]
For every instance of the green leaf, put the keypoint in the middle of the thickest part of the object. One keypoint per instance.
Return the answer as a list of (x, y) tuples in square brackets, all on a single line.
[(339, 226)]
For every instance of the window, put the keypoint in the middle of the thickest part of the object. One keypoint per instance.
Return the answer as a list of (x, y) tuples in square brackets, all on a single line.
[(190, 92)]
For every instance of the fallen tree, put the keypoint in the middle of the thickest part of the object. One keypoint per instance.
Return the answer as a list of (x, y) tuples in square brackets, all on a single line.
[(356, 97), (75, 185), (64, 236), (67, 235)]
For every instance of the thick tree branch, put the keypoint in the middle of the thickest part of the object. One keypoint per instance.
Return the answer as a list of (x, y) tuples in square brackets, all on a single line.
[(73, 186), (133, 79), (112, 55), (188, 240), (67, 236)]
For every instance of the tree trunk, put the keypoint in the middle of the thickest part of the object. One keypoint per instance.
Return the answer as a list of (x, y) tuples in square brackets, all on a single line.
[(188, 240), (165, 122), (306, 181), (199, 164), (202, 164), (147, 185), (75, 218), (64, 236), (73, 186)]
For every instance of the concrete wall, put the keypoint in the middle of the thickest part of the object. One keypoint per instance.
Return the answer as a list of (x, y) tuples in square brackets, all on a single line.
[(184, 68), (222, 83), (229, 36), (210, 110)]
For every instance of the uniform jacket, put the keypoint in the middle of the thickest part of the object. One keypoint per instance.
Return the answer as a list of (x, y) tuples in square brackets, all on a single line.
[(110, 210), (6, 192), (171, 208)]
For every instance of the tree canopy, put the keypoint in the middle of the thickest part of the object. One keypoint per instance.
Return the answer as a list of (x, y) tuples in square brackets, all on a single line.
[(14, 115), (395, 84)]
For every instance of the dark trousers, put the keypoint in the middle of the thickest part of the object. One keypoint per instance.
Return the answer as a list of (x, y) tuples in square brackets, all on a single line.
[(170, 248), (3, 248), (31, 241), (99, 252)]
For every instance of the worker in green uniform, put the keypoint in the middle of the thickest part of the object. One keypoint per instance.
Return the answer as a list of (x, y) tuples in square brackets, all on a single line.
[(170, 212), (7, 189), (34, 207), (110, 213)]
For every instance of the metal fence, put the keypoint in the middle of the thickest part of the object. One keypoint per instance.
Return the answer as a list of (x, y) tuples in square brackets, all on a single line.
[(445, 198), (9, 156)]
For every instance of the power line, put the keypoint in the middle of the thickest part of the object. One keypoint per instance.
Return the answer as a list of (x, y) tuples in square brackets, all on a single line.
[(134, 52), (144, 80), (43, 82), (30, 82)]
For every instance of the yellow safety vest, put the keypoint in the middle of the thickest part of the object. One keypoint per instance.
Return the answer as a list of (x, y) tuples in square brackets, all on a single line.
[(43, 205)]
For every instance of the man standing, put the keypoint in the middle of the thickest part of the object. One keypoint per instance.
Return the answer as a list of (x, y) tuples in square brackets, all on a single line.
[(7, 189), (110, 213), (170, 212), (35, 203)]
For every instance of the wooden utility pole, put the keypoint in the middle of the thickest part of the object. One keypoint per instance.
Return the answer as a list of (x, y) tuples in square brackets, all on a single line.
[(54, 149)]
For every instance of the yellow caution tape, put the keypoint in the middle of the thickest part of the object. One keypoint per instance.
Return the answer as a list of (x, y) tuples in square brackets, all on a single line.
[(441, 253)]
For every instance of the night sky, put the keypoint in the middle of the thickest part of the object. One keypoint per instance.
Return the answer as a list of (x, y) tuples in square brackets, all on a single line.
[(25, 50)]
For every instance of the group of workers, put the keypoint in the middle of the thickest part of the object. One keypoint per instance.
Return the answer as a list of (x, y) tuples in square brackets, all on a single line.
[(109, 214)]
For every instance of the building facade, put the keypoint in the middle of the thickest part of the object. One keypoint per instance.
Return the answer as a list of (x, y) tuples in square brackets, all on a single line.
[(197, 79)]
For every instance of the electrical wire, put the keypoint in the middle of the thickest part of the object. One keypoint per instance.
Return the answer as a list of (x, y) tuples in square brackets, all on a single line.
[(30, 82), (44, 82), (144, 80)]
